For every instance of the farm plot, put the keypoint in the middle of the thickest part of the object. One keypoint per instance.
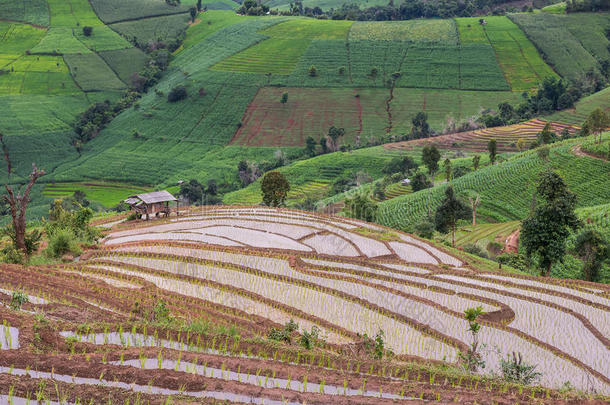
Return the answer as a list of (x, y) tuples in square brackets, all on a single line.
[(125, 62), (150, 29), (443, 31), (111, 11), (105, 193), (166, 318), (92, 73), (564, 50), (412, 297), (30, 11), (517, 56), (211, 22), (287, 42), (477, 140), (309, 112)]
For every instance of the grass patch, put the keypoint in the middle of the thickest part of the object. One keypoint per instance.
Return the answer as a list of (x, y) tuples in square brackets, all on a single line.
[(60, 40), (211, 22)]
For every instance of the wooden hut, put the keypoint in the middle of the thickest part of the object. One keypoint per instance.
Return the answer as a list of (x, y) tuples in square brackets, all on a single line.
[(156, 203)]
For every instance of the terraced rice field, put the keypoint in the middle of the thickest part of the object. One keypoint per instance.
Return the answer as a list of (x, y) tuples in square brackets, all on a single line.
[(227, 275), (477, 140)]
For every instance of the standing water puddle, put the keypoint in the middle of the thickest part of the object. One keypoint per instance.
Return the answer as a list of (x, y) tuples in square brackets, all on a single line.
[(145, 389), (9, 338), (260, 381)]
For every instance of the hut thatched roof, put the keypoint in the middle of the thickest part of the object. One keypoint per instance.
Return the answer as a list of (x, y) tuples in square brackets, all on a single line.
[(151, 198)]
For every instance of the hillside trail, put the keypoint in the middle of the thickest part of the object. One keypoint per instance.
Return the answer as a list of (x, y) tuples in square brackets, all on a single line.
[(512, 242), (577, 151)]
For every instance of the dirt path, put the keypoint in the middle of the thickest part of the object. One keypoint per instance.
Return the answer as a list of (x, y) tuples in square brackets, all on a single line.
[(512, 242), (577, 150)]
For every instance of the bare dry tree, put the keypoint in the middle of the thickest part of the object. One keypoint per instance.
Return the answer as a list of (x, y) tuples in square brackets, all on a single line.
[(18, 202), (474, 203)]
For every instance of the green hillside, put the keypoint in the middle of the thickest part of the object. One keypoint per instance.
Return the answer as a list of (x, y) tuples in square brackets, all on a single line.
[(506, 188)]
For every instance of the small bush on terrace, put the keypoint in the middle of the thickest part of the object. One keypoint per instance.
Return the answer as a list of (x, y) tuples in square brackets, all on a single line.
[(312, 339), (18, 299), (67, 229), (283, 335), (514, 370), (178, 93)]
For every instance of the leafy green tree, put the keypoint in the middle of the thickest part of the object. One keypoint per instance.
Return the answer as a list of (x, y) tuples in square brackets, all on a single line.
[(492, 147), (399, 165), (593, 250), (545, 231), (361, 207), (284, 98), (430, 156), (274, 188), (507, 112), (324, 145), (313, 72), (310, 146), (193, 191), (597, 122), (420, 128), (193, 11), (476, 160), (546, 136), (472, 359), (334, 134), (448, 169), (448, 214), (420, 182), (198, 5), (87, 31)]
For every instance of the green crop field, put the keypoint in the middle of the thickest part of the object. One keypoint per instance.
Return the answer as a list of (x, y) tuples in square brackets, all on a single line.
[(482, 234), (571, 43), (506, 188), (578, 114), (105, 193), (209, 24), (16, 38), (443, 31), (111, 11), (153, 28), (31, 11), (287, 42), (316, 174), (92, 74), (124, 62), (517, 56), (325, 4)]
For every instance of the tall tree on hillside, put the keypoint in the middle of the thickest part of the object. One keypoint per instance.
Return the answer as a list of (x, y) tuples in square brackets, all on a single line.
[(198, 5), (334, 134), (593, 249), (475, 201), (274, 188), (448, 214), (421, 128), (193, 12), (430, 156), (310, 146), (448, 169), (18, 204), (597, 122), (492, 147), (476, 160), (545, 231)]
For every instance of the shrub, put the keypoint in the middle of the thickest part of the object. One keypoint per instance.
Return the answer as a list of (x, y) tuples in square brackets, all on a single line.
[(18, 299), (309, 340), (514, 370), (313, 72), (178, 93), (425, 229), (475, 250), (87, 31), (61, 242)]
